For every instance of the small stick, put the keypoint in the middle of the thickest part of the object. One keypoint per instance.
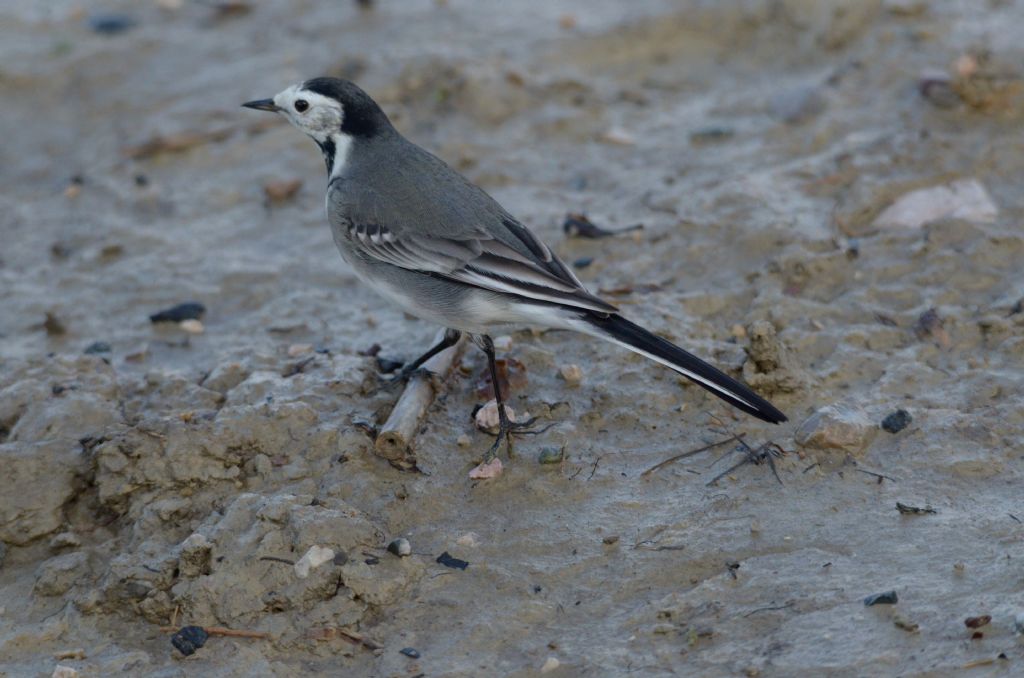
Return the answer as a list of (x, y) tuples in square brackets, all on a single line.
[(275, 559), (684, 455), (880, 476), (396, 435), (361, 639)]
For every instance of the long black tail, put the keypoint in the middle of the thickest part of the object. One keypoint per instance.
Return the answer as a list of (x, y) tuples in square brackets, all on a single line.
[(617, 329)]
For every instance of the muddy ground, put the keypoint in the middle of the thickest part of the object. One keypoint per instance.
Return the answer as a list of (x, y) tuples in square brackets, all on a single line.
[(768, 147)]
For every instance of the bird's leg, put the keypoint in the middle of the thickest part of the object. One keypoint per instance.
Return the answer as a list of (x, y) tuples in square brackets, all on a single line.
[(505, 427), (451, 337)]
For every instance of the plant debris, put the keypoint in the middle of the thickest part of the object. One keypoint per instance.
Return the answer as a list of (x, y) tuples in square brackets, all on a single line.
[(909, 510)]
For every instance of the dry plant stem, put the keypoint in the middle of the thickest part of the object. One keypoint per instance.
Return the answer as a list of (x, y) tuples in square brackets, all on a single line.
[(361, 639), (399, 431), (684, 455)]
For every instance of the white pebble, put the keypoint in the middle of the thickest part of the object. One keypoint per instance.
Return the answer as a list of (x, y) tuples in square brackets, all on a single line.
[(314, 558), (964, 199), (64, 672), (502, 343), (487, 416), (470, 539), (192, 326), (573, 374), (296, 350), (550, 665)]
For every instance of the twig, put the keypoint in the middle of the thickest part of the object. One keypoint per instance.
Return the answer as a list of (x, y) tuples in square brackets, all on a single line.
[(690, 453), (396, 435), (275, 559), (361, 639), (880, 476)]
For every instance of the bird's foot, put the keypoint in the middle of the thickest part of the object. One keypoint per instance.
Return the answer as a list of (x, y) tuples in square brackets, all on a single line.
[(506, 428)]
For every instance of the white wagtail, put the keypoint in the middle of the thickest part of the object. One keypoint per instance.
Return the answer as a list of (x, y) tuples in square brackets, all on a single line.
[(438, 246)]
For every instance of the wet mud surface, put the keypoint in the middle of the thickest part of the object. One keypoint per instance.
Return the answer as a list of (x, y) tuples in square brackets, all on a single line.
[(830, 194)]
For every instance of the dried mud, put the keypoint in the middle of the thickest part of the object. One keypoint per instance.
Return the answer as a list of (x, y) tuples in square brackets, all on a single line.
[(175, 476)]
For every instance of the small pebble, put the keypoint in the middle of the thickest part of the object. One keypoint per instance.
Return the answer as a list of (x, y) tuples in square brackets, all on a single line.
[(897, 421), (886, 598), (550, 665), (192, 326), (551, 455), (400, 547), (978, 622), (503, 343), (613, 539), (190, 310), (110, 23), (281, 191), (97, 347), (469, 539), (707, 135), (583, 262), (738, 331), (618, 136), (138, 354), (573, 374), (448, 560), (902, 622), (410, 652), (487, 416), (189, 639), (61, 671), (295, 350), (463, 440), (314, 558), (486, 470)]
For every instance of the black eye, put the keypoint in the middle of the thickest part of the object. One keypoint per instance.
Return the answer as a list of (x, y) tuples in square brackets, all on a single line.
[(301, 105)]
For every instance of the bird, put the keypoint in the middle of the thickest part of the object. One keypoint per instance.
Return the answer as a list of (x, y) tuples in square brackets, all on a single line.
[(440, 248)]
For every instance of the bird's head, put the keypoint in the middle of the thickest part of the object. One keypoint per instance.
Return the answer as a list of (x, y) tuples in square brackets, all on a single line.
[(333, 112)]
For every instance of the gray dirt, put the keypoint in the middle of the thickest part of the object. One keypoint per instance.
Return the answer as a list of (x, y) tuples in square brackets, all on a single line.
[(146, 485)]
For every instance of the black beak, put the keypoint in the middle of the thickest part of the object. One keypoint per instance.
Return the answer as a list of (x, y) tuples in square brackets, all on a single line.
[(263, 105)]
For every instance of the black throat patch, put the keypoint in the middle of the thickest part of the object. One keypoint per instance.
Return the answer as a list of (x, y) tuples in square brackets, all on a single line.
[(328, 148)]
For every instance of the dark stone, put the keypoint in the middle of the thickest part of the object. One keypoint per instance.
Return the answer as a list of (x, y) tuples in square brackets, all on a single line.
[(887, 598), (897, 421), (111, 23), (706, 135), (410, 652), (190, 310), (448, 560), (583, 262), (189, 639), (97, 347)]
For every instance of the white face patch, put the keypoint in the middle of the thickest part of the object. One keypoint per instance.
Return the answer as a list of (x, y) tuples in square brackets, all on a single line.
[(321, 116)]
